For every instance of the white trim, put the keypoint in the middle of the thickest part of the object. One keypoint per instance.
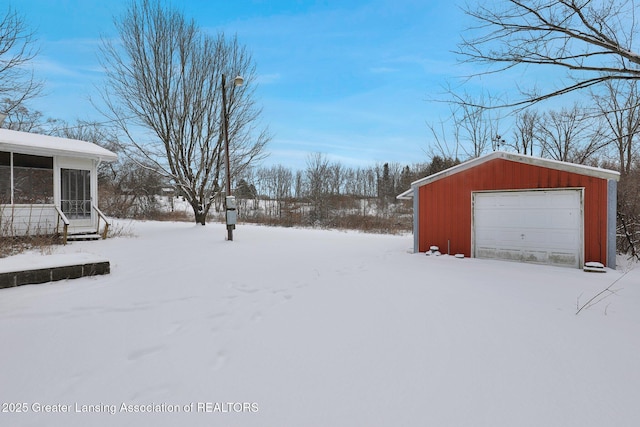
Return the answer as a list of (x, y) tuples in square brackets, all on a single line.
[(407, 195), (85, 165), (51, 146), (416, 225)]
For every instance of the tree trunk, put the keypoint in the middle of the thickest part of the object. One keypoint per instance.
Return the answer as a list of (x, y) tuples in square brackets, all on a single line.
[(200, 219), (199, 214)]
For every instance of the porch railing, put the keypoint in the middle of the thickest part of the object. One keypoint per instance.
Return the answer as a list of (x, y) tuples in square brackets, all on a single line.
[(106, 222), (62, 217)]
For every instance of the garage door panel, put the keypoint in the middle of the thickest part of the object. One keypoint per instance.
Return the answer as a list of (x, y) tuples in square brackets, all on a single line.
[(534, 219), (484, 203), (508, 201), (539, 257), (535, 238), (563, 258), (530, 226), (513, 254), (561, 200), (534, 201), (542, 256), (565, 219)]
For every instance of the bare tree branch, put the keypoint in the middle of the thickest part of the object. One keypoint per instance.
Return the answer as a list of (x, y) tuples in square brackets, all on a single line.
[(17, 49), (581, 36), (619, 105), (570, 135)]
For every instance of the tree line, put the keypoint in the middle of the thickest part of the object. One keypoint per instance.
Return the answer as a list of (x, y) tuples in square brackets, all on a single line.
[(324, 193), (328, 193)]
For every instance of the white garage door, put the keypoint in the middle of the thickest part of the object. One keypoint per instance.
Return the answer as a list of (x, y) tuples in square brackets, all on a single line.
[(529, 226)]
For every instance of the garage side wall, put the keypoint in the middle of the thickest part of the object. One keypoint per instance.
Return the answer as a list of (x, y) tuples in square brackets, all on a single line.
[(445, 204)]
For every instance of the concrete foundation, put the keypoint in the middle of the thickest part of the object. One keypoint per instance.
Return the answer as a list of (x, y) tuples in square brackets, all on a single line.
[(52, 274)]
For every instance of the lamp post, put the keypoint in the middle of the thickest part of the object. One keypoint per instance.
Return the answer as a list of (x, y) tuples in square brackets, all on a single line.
[(230, 204)]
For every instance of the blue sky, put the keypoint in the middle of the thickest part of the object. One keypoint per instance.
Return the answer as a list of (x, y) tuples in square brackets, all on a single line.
[(350, 79)]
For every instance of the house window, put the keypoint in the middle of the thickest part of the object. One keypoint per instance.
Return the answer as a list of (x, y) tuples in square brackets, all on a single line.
[(32, 179), (5, 178)]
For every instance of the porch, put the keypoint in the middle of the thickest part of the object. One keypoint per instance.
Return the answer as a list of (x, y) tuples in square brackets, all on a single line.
[(48, 220), (48, 186)]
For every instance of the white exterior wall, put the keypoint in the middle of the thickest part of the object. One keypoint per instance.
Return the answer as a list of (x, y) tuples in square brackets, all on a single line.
[(32, 220)]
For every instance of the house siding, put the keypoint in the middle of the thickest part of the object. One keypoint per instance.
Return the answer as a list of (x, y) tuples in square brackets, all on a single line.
[(28, 220), (445, 206)]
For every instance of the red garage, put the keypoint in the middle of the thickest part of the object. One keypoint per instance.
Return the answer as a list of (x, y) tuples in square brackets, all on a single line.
[(516, 207)]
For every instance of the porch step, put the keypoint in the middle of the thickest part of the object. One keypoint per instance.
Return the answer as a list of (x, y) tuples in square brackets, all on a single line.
[(83, 237)]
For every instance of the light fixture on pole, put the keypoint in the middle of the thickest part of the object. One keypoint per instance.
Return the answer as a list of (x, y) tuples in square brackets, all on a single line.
[(230, 201)]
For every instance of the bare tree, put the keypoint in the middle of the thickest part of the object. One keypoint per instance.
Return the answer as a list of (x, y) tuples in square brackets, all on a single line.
[(275, 183), (317, 177), (17, 49), (619, 105), (476, 126), (350, 184), (570, 135), (441, 145), (629, 212), (336, 178), (524, 134), (298, 185), (369, 179), (164, 92), (591, 40), (23, 119)]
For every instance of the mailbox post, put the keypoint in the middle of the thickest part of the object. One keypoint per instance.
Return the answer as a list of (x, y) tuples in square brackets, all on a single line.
[(232, 216)]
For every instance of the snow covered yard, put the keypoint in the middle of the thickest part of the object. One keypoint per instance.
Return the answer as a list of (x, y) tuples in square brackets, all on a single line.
[(289, 327)]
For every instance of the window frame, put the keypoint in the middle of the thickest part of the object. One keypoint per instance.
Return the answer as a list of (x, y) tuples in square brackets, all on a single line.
[(28, 168)]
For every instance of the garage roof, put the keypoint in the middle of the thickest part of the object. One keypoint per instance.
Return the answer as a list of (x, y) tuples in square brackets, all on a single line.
[(44, 145), (514, 157)]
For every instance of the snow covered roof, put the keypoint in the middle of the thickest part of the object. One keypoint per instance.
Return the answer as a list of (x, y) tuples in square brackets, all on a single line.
[(44, 145), (514, 157)]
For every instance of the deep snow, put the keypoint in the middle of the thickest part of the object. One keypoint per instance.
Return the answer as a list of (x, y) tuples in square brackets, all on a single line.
[(315, 328)]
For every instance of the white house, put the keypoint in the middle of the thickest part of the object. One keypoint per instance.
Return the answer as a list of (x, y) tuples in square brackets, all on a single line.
[(48, 182)]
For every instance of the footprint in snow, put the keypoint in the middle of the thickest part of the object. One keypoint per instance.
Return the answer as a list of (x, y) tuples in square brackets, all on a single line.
[(144, 352), (219, 360), (245, 289)]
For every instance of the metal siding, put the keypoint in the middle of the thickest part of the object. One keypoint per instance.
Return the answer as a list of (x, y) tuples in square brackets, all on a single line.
[(445, 204), (596, 220)]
